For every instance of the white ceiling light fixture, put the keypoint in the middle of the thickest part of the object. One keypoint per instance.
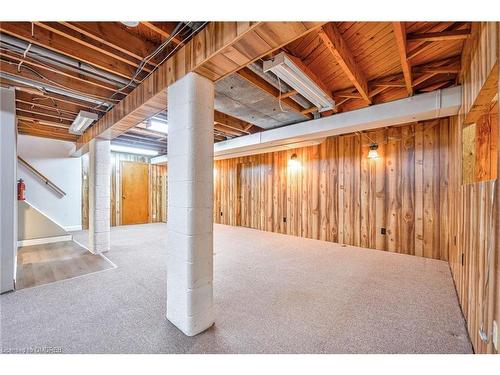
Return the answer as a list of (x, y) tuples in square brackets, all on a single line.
[(157, 126), (288, 71), (130, 23), (133, 150), (82, 122)]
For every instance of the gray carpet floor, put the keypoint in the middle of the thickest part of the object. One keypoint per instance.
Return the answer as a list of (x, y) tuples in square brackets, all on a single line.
[(273, 294)]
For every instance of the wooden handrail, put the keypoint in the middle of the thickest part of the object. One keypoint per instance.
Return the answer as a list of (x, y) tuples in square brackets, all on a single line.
[(47, 182)]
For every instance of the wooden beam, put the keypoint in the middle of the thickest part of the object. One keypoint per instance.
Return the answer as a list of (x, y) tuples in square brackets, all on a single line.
[(419, 47), (349, 93), (335, 43), (62, 45), (45, 131), (218, 50), (422, 78), (91, 43), (235, 123), (400, 35), (439, 36), (50, 112), (51, 79), (228, 130), (265, 86), (288, 94), (483, 100), (114, 35), (50, 103), (164, 29), (395, 80), (71, 74), (46, 119)]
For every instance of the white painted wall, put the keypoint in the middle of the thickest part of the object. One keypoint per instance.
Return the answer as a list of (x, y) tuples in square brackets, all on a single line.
[(51, 158), (8, 197)]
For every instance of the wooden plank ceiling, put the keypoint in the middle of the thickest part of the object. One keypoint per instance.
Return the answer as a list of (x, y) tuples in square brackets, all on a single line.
[(60, 68)]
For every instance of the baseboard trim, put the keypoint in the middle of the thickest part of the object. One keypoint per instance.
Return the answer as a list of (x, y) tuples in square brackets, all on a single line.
[(40, 241)]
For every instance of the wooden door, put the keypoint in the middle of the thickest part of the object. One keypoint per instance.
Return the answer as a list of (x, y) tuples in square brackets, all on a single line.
[(134, 193), (245, 195)]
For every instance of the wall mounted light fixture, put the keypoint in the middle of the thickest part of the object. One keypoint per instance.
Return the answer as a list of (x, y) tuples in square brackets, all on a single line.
[(373, 153), (294, 163)]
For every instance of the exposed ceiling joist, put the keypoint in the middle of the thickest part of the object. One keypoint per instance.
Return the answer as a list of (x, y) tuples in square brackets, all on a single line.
[(115, 36), (50, 112), (54, 100), (40, 130), (49, 78), (60, 44), (335, 43), (235, 123), (109, 89), (420, 47), (165, 30), (46, 119), (438, 36), (91, 43), (400, 35), (227, 47)]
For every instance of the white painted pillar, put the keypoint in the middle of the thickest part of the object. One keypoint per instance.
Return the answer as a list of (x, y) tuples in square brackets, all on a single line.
[(8, 189), (190, 202), (99, 195)]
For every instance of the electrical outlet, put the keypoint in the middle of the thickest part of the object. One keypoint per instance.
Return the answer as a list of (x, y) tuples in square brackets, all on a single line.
[(383, 231), (284, 219), (495, 335)]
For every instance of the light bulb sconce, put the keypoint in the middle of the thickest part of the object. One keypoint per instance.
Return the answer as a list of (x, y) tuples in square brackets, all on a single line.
[(373, 153), (293, 163)]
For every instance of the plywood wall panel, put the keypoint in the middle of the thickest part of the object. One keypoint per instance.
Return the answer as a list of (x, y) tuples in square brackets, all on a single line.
[(475, 219), (337, 194)]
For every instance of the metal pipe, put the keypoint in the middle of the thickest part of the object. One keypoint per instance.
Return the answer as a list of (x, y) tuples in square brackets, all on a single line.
[(55, 90), (61, 60)]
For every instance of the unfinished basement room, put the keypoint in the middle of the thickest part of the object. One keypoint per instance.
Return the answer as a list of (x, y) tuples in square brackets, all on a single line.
[(249, 187)]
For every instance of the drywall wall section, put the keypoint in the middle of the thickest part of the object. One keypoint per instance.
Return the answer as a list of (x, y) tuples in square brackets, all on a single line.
[(34, 224), (8, 206), (51, 158)]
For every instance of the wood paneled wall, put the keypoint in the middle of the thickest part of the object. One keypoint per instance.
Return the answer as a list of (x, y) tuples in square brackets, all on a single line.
[(157, 188), (475, 262), (337, 194)]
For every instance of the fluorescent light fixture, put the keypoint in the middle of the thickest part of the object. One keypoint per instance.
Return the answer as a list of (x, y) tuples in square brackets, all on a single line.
[(82, 122), (133, 150), (157, 126), (284, 67), (130, 23)]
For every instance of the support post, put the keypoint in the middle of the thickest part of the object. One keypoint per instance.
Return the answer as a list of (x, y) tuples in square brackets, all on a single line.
[(99, 195), (190, 204)]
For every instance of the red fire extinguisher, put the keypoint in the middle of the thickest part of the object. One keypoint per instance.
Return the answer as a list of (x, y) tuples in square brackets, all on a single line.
[(21, 187)]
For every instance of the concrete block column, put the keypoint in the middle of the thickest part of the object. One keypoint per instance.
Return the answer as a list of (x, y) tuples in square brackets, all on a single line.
[(190, 202), (99, 195)]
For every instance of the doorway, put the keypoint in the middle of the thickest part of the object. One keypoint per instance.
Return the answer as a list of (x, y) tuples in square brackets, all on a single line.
[(134, 199)]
